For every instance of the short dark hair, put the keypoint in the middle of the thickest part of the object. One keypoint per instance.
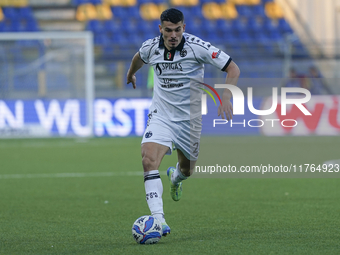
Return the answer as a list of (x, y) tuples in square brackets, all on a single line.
[(173, 15)]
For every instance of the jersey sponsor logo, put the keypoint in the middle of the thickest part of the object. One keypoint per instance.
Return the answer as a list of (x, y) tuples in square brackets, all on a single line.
[(158, 69), (215, 54), (168, 66), (172, 85), (169, 80), (148, 134), (183, 53), (172, 66)]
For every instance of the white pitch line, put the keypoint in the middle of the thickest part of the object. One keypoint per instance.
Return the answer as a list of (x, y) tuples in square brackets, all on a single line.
[(69, 175)]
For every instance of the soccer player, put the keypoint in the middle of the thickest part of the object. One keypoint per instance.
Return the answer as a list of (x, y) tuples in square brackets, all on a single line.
[(175, 119)]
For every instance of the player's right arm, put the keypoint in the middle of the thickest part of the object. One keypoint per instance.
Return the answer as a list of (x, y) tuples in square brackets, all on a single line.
[(136, 64), (208, 53)]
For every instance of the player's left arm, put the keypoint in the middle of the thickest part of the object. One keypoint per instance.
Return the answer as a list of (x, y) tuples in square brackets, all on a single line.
[(226, 109)]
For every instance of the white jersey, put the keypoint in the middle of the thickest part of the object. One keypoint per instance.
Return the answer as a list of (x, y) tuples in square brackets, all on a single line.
[(177, 96)]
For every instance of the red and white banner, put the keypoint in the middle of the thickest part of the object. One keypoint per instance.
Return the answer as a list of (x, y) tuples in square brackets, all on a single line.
[(325, 118)]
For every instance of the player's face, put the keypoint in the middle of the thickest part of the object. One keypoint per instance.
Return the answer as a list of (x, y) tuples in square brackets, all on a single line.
[(172, 33)]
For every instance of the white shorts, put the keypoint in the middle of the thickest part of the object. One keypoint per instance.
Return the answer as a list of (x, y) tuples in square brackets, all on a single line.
[(182, 135)]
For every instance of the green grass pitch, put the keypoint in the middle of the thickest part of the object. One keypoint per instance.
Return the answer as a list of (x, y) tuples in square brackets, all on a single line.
[(74, 196)]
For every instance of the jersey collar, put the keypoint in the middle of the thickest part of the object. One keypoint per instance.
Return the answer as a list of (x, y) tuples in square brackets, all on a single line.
[(179, 47)]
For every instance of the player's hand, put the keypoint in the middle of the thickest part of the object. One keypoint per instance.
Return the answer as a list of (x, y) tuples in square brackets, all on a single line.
[(131, 79), (226, 110)]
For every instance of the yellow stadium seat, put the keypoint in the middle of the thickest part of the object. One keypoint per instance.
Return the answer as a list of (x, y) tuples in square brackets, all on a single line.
[(212, 11), (229, 11), (19, 3), (237, 2), (113, 2), (4, 2), (253, 2), (184, 2), (14, 3), (86, 12), (244, 2), (176, 2), (193, 2), (125, 3), (104, 12), (128, 2), (149, 11), (273, 10), (1, 15)]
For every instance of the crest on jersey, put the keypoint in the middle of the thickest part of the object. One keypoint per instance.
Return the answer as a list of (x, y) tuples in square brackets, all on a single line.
[(183, 53), (168, 55)]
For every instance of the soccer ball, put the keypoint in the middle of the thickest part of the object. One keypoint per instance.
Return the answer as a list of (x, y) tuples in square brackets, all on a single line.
[(147, 230)]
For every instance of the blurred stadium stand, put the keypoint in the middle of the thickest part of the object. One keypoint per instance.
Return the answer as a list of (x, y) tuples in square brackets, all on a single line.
[(253, 32)]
